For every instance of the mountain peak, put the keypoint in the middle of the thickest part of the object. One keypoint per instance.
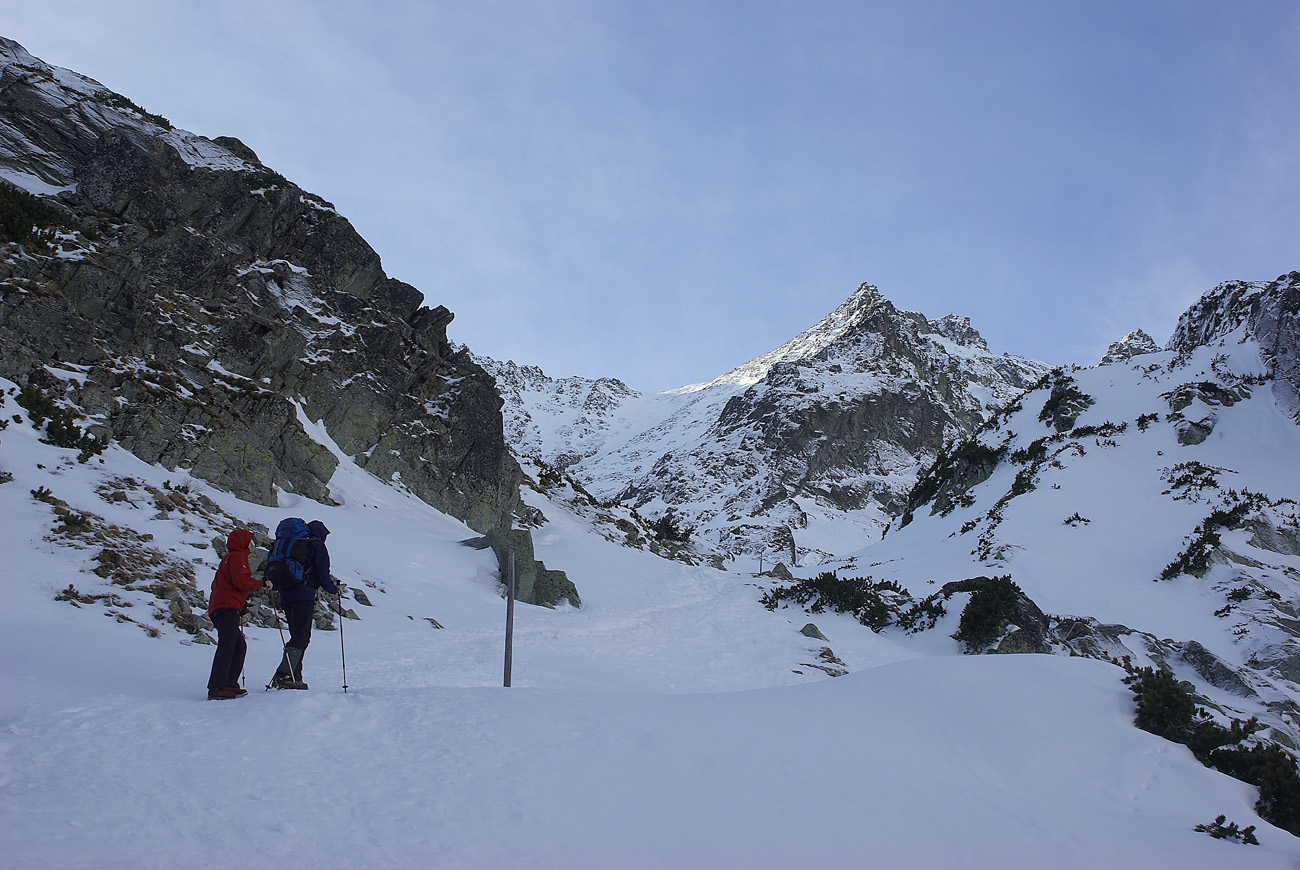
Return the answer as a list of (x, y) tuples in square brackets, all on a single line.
[(1134, 344), (865, 303)]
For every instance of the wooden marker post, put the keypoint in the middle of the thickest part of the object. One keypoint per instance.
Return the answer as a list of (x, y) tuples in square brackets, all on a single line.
[(510, 614)]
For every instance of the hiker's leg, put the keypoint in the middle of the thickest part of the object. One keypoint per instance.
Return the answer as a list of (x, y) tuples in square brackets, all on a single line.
[(299, 615), (237, 658), (226, 621)]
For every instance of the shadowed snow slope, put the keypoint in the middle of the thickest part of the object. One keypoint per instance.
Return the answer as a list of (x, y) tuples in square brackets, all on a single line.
[(671, 722)]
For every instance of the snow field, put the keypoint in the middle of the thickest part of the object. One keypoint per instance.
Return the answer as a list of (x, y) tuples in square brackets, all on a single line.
[(669, 722)]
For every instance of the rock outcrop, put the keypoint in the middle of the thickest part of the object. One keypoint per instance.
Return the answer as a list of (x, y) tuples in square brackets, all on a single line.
[(212, 316), (1270, 312)]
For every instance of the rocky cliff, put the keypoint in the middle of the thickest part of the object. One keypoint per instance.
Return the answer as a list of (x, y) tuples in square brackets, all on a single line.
[(212, 316)]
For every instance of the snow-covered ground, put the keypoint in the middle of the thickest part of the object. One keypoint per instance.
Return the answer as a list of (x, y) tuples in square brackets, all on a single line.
[(669, 722)]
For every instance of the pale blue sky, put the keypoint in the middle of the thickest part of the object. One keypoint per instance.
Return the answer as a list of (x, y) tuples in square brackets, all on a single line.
[(661, 191)]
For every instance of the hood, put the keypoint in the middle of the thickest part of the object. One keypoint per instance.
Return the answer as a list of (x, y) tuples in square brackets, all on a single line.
[(239, 539), (317, 529)]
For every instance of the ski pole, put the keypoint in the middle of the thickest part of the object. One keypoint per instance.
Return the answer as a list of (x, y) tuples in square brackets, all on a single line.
[(342, 651)]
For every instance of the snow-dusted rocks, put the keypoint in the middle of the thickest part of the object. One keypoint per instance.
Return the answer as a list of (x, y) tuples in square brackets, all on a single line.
[(1270, 314), (1136, 343), (1148, 506), (559, 420)]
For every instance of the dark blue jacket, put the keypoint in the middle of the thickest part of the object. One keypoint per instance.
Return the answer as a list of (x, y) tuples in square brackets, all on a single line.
[(316, 564)]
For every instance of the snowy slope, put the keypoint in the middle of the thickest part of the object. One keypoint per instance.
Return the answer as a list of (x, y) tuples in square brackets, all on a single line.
[(671, 722), (1088, 528)]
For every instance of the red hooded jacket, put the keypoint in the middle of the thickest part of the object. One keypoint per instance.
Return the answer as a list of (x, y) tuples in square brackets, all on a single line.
[(234, 580)]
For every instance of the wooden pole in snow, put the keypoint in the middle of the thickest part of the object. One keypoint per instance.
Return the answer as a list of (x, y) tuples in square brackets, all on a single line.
[(510, 614)]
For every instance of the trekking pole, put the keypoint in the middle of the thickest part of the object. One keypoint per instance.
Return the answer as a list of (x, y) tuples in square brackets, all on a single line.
[(343, 652), (243, 677)]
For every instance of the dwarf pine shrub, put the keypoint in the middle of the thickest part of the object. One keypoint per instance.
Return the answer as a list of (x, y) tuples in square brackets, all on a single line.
[(62, 429), (666, 528), (1219, 831), (1163, 706), (1064, 405), (24, 217), (874, 603), (1166, 709), (987, 613), (1195, 559), (1273, 770)]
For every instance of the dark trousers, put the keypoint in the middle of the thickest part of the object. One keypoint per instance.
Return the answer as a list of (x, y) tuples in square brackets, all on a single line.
[(299, 616), (228, 660)]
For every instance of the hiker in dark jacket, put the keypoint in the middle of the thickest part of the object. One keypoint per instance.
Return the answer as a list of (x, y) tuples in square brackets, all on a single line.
[(227, 602), (300, 604)]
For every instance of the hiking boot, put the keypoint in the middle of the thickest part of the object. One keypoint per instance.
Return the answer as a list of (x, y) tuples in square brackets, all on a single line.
[(287, 682), (223, 695), (239, 693)]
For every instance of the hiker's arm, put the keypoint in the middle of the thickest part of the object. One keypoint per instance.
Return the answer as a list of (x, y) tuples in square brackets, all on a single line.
[(241, 577), (321, 567)]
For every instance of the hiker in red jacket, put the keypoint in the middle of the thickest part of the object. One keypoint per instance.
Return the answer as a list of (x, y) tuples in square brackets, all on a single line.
[(227, 602)]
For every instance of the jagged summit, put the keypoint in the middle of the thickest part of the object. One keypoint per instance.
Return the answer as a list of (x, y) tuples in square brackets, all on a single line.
[(853, 331), (1136, 343), (865, 302)]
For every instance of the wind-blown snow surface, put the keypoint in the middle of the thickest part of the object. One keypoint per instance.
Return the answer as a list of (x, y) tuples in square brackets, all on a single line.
[(670, 722)]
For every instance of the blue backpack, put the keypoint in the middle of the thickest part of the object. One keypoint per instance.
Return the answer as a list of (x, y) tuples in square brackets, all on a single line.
[(284, 568)]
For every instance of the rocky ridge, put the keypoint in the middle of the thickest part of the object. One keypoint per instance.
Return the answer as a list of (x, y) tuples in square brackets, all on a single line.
[(1270, 314), (210, 315)]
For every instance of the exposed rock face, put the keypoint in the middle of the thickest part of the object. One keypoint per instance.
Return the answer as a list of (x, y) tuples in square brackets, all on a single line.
[(214, 317), (835, 422), (1270, 312), (213, 311), (1136, 343)]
